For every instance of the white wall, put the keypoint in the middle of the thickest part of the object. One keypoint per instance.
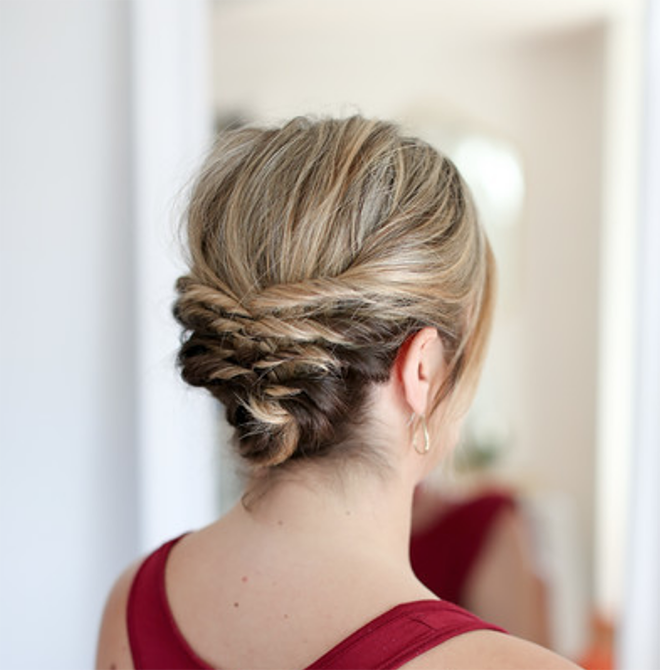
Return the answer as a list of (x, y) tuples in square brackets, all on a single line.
[(68, 473), (87, 386)]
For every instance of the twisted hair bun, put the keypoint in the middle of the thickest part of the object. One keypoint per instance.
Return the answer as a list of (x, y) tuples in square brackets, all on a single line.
[(316, 249)]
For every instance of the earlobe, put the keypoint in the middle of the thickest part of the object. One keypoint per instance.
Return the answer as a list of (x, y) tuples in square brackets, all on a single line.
[(420, 363)]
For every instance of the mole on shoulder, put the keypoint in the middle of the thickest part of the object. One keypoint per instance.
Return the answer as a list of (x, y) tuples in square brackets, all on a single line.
[(244, 579), (235, 604)]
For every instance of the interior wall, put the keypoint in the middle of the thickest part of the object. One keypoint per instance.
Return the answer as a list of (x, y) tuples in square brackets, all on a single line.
[(104, 453), (67, 477), (562, 136)]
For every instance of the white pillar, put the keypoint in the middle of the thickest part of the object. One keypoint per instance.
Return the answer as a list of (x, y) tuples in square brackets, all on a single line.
[(171, 130), (617, 308), (640, 638)]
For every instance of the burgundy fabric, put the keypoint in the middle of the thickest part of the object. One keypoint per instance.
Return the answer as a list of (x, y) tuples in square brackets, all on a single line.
[(389, 641), (401, 634), (155, 639), (444, 553)]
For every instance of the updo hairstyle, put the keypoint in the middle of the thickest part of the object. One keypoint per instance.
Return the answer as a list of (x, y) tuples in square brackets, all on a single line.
[(316, 250)]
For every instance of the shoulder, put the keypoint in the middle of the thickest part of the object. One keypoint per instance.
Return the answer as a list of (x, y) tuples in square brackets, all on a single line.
[(489, 650), (113, 650)]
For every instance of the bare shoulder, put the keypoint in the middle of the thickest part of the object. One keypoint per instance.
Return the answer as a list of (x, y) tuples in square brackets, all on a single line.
[(113, 650), (489, 650)]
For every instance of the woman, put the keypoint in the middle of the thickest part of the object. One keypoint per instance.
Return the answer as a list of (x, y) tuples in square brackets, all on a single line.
[(338, 303)]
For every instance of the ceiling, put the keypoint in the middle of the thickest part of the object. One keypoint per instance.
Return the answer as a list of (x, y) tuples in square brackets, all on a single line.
[(493, 17)]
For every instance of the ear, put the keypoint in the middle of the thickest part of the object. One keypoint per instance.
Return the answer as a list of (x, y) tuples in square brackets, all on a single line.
[(420, 367)]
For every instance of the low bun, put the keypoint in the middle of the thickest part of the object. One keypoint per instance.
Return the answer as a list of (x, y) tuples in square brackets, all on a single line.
[(285, 382), (316, 250)]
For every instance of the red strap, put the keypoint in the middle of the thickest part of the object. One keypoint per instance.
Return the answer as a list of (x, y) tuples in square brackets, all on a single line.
[(401, 634), (155, 639), (387, 642)]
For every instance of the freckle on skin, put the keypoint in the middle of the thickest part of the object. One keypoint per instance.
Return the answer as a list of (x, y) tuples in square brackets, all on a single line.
[(286, 616), (244, 580), (280, 522), (235, 604)]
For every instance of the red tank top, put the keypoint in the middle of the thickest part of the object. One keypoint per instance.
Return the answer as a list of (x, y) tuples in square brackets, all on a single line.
[(389, 641)]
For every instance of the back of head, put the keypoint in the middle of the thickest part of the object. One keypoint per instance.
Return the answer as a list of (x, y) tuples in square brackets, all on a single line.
[(316, 250)]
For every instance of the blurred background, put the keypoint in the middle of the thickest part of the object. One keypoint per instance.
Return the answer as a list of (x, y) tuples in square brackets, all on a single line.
[(550, 111)]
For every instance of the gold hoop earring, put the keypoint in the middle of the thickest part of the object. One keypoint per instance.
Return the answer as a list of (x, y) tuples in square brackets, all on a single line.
[(426, 447)]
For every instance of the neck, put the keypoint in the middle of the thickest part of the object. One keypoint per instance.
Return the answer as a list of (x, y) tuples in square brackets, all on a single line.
[(361, 515)]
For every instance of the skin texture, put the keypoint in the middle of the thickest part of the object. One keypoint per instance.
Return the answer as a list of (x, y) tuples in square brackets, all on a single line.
[(319, 554)]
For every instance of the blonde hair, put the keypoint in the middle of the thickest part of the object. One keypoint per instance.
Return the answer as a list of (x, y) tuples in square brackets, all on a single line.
[(316, 250)]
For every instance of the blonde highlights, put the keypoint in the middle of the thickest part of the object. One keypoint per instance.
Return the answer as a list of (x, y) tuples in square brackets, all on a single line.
[(316, 250)]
